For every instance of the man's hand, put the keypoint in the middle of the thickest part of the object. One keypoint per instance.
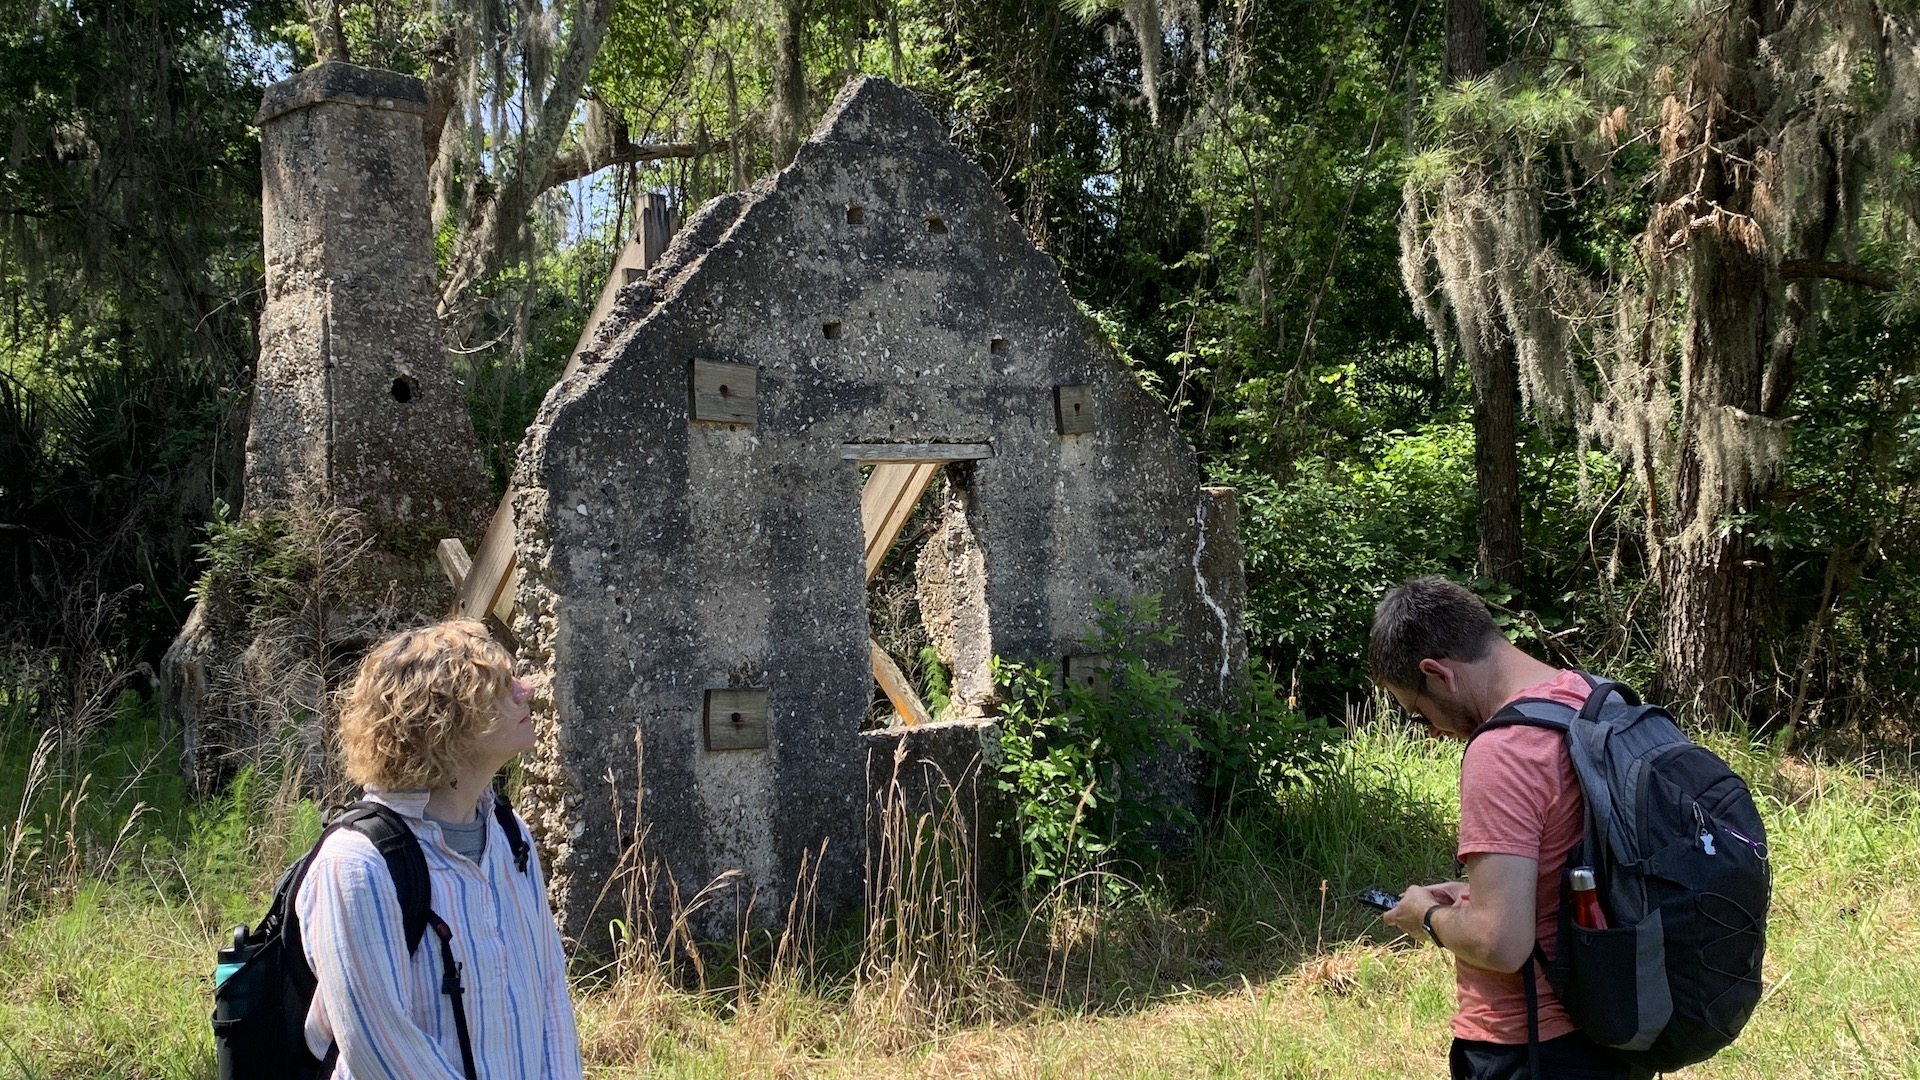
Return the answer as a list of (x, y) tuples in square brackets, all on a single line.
[(1407, 915), (1493, 927)]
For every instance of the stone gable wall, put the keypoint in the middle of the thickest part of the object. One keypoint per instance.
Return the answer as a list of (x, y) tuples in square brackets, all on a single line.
[(665, 557)]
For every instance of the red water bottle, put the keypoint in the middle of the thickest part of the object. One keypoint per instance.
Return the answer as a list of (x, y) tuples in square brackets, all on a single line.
[(1586, 901)]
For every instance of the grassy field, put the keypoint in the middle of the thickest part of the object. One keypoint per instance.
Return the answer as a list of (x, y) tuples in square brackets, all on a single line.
[(1246, 959)]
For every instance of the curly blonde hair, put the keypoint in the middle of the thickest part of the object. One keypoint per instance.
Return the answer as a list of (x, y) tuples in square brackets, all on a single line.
[(421, 700)]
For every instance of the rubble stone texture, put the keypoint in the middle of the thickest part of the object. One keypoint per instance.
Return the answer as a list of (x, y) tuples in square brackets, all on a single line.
[(881, 293), (355, 406)]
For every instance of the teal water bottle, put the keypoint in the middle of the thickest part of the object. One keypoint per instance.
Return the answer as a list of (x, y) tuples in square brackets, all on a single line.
[(231, 960)]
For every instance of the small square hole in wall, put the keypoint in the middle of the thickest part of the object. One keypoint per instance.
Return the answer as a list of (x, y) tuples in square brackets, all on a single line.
[(856, 215), (831, 328), (998, 346), (936, 224)]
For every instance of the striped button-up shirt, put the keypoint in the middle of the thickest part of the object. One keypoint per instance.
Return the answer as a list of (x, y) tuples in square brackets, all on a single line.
[(384, 1008)]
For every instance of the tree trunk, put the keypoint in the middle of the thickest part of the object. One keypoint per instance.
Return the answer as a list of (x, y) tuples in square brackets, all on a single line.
[(329, 41), (1710, 574), (483, 235), (1496, 460), (1466, 40), (1706, 634), (1496, 455), (789, 106)]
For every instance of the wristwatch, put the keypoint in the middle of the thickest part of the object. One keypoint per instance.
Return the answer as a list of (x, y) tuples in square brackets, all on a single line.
[(1426, 921)]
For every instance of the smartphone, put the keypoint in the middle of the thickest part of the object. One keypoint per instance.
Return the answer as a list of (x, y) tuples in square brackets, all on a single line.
[(1379, 898)]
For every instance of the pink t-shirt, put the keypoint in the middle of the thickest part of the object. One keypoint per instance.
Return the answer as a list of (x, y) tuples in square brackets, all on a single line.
[(1519, 796)]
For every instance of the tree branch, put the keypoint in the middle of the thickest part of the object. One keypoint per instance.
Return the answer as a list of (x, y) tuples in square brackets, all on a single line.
[(575, 164), (329, 40), (1802, 269), (477, 250)]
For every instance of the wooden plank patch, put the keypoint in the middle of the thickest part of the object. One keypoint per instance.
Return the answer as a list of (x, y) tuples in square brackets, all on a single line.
[(725, 393), (1089, 671), (736, 719), (1073, 409)]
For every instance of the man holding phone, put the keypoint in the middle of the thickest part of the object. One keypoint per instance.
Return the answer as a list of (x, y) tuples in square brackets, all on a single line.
[(1435, 649)]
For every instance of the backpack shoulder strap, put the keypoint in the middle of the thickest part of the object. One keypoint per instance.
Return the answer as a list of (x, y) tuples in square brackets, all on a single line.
[(283, 915), (1529, 712), (394, 839), (1543, 712), (510, 825)]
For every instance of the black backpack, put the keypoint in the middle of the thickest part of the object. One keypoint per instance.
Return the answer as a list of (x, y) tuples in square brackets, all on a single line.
[(1680, 858), (260, 1009)]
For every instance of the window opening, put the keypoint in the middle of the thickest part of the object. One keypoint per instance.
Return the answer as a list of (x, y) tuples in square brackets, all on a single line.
[(927, 619), (901, 512), (898, 517)]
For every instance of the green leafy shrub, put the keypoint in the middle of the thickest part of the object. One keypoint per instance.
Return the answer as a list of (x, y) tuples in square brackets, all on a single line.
[(1259, 745), (279, 562), (938, 689), (1323, 544), (1098, 772), (1081, 761)]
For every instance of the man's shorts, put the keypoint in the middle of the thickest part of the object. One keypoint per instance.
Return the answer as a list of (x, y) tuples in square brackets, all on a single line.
[(1570, 1057)]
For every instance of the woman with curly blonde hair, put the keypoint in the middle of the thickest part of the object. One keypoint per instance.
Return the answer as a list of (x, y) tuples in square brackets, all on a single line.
[(433, 714)]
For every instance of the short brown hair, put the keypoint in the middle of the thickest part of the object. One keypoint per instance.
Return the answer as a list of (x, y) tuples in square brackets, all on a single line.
[(423, 697), (1427, 618)]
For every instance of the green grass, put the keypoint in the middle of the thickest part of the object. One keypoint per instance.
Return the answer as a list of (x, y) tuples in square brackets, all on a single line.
[(1236, 961)]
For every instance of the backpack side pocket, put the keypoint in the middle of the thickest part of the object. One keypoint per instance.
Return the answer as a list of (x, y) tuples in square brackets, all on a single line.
[(1617, 982)]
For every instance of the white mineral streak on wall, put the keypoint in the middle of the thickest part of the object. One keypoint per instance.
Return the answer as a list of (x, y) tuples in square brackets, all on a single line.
[(1206, 596)]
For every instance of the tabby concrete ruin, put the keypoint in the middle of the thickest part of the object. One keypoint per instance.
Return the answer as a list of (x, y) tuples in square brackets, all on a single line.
[(697, 505), (358, 426)]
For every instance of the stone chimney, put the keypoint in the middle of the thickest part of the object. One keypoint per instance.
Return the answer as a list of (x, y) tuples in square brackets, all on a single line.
[(354, 401), (360, 454)]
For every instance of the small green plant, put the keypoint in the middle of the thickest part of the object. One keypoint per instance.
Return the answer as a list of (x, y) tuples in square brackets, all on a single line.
[(1260, 744), (939, 682), (246, 555), (1092, 768)]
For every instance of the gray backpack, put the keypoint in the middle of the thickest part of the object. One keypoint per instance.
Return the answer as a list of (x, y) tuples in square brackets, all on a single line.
[(1680, 856)]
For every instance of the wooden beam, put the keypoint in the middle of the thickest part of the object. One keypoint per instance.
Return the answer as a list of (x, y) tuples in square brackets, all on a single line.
[(493, 569), (886, 502), (488, 584), (629, 267), (655, 228), (508, 601), (914, 453), (454, 561), (899, 689)]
